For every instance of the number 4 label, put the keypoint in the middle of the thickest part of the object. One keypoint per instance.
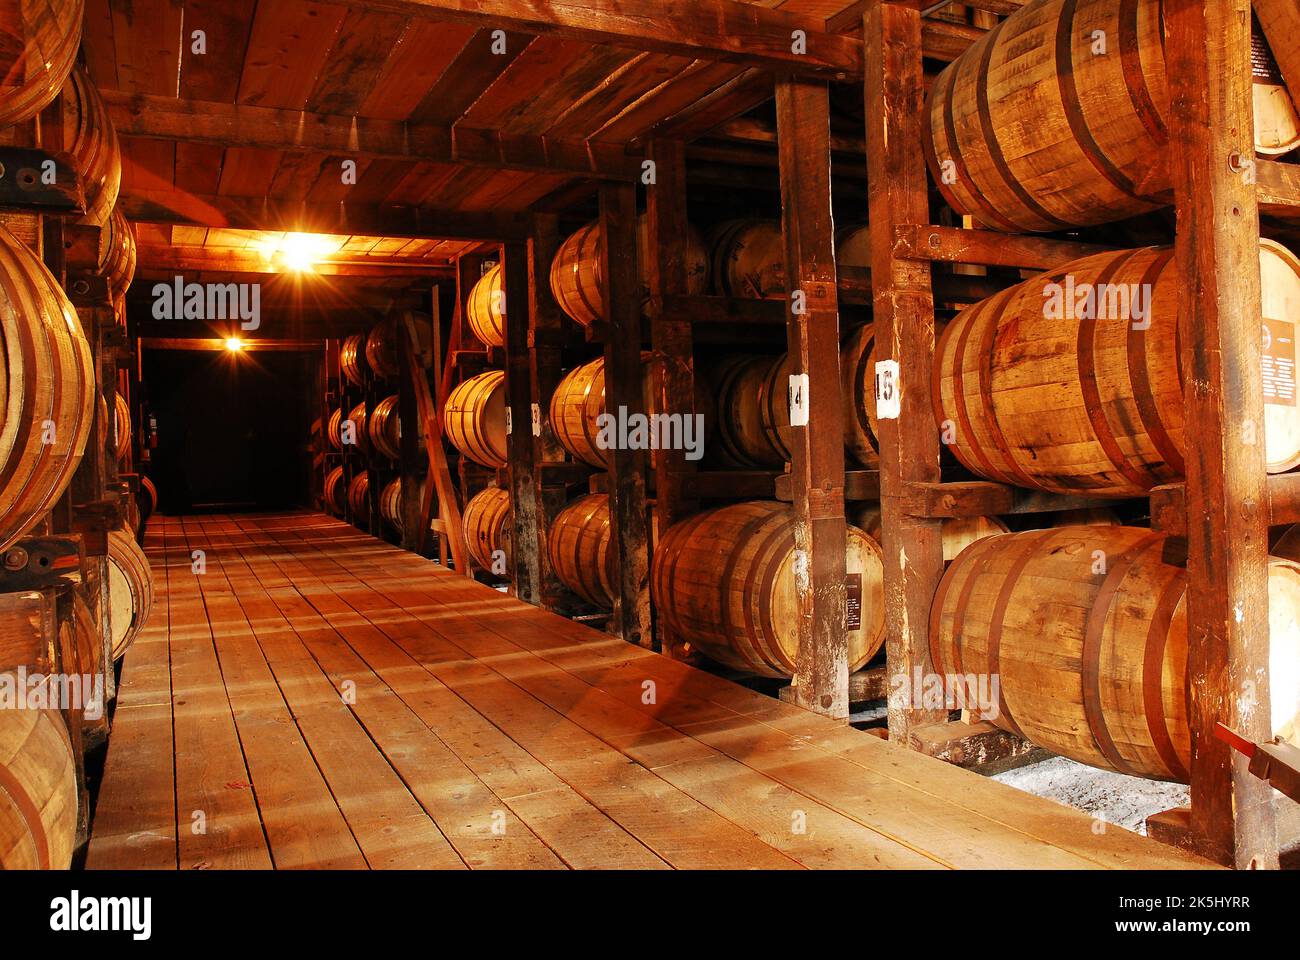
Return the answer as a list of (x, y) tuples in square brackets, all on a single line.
[(798, 399), (888, 403)]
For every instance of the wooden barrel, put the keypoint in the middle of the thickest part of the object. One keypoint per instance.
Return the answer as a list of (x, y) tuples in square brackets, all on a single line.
[(475, 418), (385, 428), (352, 358), (335, 429), (753, 410), (83, 657), (358, 417), (334, 491), (1072, 404), (576, 282), (38, 791), (122, 426), (390, 502), (381, 349), (1031, 129), (92, 142), (47, 388), (725, 581), (1086, 630), (578, 547), (148, 497), (488, 530), (117, 264), (958, 532), (486, 308), (858, 393), (359, 497), (579, 401), (38, 47), (749, 259), (130, 590)]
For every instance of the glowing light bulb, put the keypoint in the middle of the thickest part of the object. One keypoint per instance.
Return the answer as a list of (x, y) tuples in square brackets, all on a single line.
[(234, 344)]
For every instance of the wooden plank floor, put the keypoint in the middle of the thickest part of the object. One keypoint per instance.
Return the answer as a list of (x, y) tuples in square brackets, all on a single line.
[(307, 696)]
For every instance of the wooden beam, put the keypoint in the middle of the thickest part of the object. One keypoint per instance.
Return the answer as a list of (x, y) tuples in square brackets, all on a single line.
[(529, 540), (629, 542), (1207, 52), (267, 128), (670, 337), (821, 681), (987, 247), (228, 260), (904, 322), (982, 498), (724, 30), (547, 334), (1169, 504), (377, 220), (1278, 188)]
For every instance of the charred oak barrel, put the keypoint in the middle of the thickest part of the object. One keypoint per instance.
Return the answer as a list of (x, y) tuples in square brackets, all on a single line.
[(1085, 629), (47, 386), (475, 418), (1035, 387), (38, 47), (725, 581), (488, 531), (1036, 128)]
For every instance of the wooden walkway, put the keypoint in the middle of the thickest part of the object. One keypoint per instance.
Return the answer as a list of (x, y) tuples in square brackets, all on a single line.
[(319, 699)]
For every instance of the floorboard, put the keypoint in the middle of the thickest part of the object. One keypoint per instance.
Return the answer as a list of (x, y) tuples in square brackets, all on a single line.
[(316, 698)]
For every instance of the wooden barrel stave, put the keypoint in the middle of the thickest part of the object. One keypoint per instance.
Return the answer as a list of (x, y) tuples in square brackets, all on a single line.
[(130, 590), (38, 49), (488, 528), (47, 385), (334, 491), (724, 580), (118, 261), (474, 420), (38, 791), (359, 498), (381, 349), (352, 359), (1076, 405), (122, 426), (1092, 665), (578, 547), (148, 497)]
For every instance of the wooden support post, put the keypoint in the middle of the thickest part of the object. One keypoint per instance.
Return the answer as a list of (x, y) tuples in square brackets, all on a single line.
[(904, 316), (546, 336), (415, 521), (1217, 252), (821, 681), (670, 336), (529, 539), (627, 508)]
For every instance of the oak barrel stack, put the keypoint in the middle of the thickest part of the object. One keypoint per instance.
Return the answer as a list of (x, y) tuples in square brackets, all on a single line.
[(474, 419), (1077, 403), (47, 385), (1085, 629), (487, 529), (38, 791), (1032, 129), (724, 580), (36, 55)]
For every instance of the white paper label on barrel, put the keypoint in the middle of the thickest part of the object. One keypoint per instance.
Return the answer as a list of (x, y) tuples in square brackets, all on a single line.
[(888, 404), (508, 424), (537, 420), (798, 399)]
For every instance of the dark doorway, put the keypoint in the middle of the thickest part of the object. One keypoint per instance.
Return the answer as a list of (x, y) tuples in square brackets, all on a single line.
[(232, 427)]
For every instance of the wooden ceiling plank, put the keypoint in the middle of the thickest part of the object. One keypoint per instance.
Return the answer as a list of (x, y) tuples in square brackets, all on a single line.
[(473, 71), (354, 66), (226, 25), (250, 213), (706, 29), (198, 167), (417, 61), (99, 45), (248, 171), (611, 96), (287, 50), (189, 259), (666, 100), (147, 38), (148, 165)]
